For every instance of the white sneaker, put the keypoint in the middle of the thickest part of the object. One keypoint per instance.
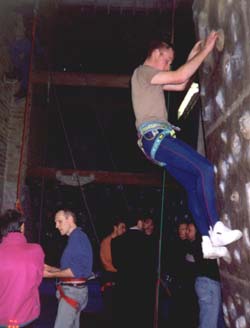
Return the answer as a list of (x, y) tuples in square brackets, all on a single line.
[(221, 235), (213, 252)]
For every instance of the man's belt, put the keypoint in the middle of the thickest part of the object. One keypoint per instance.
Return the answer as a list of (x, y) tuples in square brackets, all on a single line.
[(73, 280)]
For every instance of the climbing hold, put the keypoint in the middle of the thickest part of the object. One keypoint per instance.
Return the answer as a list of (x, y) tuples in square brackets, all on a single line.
[(221, 40)]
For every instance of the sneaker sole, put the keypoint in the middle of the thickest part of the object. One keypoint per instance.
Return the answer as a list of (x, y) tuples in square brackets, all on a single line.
[(233, 239)]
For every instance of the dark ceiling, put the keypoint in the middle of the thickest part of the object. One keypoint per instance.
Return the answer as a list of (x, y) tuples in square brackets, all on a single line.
[(111, 36)]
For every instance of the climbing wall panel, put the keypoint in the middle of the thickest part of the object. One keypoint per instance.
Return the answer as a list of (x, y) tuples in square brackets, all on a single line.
[(225, 95)]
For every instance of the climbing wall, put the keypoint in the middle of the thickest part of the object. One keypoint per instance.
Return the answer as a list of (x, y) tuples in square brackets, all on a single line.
[(225, 95)]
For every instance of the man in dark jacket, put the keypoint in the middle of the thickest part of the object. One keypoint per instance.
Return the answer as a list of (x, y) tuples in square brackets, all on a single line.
[(133, 258)]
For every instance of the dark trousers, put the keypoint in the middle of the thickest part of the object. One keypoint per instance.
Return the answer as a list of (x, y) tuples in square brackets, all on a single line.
[(194, 172)]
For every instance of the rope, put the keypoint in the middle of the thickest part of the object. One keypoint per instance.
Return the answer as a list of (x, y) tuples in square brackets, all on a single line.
[(158, 280), (27, 109), (173, 22), (163, 196), (44, 163)]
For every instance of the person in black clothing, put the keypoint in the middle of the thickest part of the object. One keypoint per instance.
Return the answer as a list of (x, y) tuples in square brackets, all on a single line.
[(174, 298), (207, 283), (176, 251), (134, 260)]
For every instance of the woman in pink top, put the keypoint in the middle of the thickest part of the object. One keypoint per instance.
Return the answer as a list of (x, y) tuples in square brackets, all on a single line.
[(21, 273)]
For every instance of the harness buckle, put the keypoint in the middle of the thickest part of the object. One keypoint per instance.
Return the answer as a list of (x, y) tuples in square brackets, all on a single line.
[(158, 134)]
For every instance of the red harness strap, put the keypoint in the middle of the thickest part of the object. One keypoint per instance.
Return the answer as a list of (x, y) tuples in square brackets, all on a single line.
[(67, 299), (106, 285)]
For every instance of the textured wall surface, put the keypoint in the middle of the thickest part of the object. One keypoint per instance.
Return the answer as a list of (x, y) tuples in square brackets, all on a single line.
[(14, 139), (11, 111), (4, 121), (225, 93)]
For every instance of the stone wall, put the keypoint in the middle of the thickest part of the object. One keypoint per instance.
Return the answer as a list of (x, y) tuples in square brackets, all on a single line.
[(225, 93)]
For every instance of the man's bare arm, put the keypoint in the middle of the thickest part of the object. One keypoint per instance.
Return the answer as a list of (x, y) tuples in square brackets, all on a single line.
[(176, 87), (177, 80), (53, 272)]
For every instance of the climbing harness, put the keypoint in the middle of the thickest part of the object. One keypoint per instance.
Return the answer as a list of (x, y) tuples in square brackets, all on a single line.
[(73, 303), (71, 282), (157, 131), (106, 285)]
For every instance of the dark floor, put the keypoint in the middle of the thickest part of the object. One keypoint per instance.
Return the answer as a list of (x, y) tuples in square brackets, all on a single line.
[(91, 317)]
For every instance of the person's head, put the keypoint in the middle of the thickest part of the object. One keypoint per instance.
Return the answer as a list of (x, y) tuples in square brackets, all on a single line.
[(119, 227), (11, 221), (191, 232), (182, 230), (149, 226), (139, 224), (65, 221), (160, 55)]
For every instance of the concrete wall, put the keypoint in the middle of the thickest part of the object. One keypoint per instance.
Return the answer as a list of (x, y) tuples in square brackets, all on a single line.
[(225, 93)]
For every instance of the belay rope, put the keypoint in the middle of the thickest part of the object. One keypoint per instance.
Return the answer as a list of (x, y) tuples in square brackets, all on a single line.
[(158, 278)]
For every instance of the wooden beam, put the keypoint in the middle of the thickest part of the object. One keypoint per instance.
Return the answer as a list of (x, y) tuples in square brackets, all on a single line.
[(81, 79), (99, 177)]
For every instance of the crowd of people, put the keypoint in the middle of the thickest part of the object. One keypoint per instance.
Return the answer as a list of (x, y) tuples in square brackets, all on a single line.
[(129, 259), (127, 255), (192, 286)]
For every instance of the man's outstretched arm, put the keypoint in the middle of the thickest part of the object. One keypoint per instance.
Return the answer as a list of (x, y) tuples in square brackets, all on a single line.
[(177, 80), (53, 272)]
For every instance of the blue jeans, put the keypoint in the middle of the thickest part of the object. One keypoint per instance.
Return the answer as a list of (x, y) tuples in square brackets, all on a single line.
[(194, 172), (209, 297), (67, 316)]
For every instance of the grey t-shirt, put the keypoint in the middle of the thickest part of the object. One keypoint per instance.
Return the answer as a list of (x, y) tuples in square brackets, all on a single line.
[(148, 99)]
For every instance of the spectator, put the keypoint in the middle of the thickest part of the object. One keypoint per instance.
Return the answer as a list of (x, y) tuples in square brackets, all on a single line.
[(207, 283), (176, 252), (176, 278), (75, 269), (132, 258), (149, 226), (109, 274), (182, 230), (21, 273)]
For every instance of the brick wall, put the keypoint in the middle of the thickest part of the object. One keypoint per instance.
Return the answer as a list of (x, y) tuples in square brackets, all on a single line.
[(14, 138), (11, 111)]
